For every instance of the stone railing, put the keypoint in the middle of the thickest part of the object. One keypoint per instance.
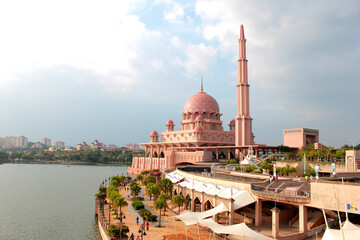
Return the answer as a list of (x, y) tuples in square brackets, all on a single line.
[(102, 222), (283, 191)]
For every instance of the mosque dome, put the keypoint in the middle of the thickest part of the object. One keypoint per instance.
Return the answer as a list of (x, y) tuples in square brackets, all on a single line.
[(199, 118), (170, 122), (154, 133), (201, 102), (198, 129), (232, 122)]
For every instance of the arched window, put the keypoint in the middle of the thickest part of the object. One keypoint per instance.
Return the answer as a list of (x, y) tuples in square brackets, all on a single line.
[(213, 127), (162, 155), (204, 115), (196, 114), (155, 154), (211, 116), (189, 116)]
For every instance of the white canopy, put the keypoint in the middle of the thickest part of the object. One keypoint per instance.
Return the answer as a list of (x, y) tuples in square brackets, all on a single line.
[(174, 177), (349, 230), (191, 218), (241, 197), (236, 229)]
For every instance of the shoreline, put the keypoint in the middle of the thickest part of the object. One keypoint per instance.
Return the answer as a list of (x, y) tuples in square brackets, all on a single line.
[(65, 163)]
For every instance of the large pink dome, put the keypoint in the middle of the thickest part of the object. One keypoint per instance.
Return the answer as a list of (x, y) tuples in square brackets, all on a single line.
[(201, 102)]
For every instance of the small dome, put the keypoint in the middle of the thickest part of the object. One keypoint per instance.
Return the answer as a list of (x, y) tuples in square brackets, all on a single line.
[(199, 118), (170, 122), (198, 129), (201, 102), (154, 133), (232, 122)]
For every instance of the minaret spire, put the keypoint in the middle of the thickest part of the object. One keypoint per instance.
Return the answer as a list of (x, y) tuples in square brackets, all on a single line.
[(201, 87), (242, 35), (243, 122)]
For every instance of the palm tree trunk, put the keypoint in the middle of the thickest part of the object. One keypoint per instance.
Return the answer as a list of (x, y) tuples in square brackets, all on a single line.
[(160, 218)]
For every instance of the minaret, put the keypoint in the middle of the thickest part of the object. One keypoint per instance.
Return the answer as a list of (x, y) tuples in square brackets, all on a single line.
[(243, 125)]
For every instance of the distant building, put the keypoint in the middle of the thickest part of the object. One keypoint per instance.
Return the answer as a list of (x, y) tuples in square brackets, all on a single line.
[(300, 137), (96, 145), (133, 147), (52, 149), (37, 145), (21, 141), (82, 146), (46, 141), (59, 145), (8, 142)]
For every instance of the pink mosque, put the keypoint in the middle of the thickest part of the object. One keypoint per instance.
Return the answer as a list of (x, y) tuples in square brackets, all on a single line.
[(201, 137)]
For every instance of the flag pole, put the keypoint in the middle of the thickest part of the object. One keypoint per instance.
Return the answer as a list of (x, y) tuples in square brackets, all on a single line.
[(342, 181)]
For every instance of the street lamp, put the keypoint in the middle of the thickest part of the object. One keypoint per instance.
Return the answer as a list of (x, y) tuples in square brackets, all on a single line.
[(109, 212)]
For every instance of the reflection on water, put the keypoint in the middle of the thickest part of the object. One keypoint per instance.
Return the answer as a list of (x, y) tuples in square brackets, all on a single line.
[(50, 201)]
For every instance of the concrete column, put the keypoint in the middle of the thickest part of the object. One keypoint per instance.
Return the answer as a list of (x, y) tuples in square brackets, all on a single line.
[(215, 202), (192, 201), (202, 202), (275, 222), (302, 219), (231, 211), (258, 212), (217, 154), (228, 153)]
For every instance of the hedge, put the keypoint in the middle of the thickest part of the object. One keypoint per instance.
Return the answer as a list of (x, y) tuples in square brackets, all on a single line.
[(137, 204)]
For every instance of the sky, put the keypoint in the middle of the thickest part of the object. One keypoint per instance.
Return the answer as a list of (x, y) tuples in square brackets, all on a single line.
[(80, 70)]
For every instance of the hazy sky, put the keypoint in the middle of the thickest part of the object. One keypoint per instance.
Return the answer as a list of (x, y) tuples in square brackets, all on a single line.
[(80, 70)]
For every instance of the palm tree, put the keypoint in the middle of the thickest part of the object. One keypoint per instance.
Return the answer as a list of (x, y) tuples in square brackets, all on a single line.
[(152, 189), (178, 200), (120, 202), (135, 189), (160, 203), (166, 186)]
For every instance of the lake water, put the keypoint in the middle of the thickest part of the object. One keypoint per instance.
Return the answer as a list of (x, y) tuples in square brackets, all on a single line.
[(50, 201)]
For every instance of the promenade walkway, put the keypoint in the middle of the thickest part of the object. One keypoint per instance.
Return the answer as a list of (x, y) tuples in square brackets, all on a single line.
[(171, 229)]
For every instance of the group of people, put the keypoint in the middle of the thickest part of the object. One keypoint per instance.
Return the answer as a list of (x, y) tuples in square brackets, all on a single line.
[(141, 228), (272, 178)]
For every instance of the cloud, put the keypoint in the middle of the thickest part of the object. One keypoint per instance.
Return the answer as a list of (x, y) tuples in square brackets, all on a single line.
[(199, 57), (103, 38), (175, 13)]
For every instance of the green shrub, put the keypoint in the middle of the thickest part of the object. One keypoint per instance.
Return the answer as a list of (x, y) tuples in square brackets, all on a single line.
[(137, 204), (113, 230), (125, 230), (152, 218), (144, 213)]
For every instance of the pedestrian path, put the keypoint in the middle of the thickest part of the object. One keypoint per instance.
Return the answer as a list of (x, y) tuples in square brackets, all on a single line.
[(136, 214)]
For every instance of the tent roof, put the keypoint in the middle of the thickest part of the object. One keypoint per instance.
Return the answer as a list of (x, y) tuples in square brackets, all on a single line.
[(350, 230), (236, 229), (191, 218)]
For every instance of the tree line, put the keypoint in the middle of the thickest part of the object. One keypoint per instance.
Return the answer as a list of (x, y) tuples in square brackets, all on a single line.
[(86, 156)]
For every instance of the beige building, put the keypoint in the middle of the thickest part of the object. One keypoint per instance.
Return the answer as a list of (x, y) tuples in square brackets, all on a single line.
[(21, 141), (300, 137), (46, 141), (59, 145), (82, 146)]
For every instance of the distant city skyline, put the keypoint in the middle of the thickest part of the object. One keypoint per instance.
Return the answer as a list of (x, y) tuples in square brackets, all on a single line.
[(119, 76)]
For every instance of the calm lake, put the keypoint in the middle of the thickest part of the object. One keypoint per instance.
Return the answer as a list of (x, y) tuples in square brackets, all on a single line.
[(50, 201)]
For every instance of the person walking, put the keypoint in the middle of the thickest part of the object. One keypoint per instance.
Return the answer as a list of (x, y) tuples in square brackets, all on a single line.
[(137, 220), (132, 236), (147, 226)]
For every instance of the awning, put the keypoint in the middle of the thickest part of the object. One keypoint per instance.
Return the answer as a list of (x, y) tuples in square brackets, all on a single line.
[(174, 177), (349, 231), (241, 198), (191, 218), (236, 229)]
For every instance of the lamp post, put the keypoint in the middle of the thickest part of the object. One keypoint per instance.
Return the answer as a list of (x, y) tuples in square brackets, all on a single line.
[(109, 213)]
